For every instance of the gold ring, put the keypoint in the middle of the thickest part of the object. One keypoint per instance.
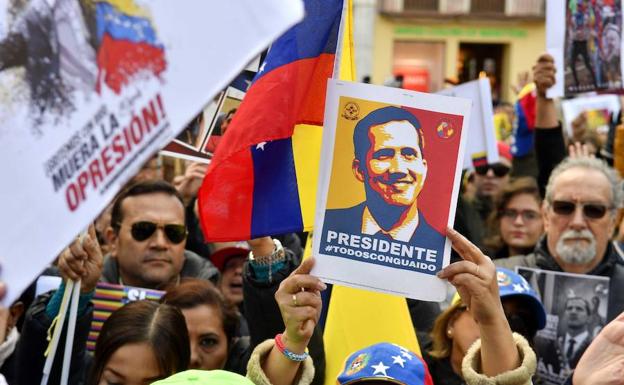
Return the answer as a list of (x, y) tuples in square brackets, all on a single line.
[(294, 300)]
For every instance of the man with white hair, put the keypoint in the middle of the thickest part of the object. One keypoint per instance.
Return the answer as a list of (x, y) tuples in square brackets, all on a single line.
[(582, 198)]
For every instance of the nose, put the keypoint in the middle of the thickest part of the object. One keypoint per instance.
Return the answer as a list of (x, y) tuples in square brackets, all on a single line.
[(195, 363), (578, 220), (518, 221), (159, 239), (490, 173)]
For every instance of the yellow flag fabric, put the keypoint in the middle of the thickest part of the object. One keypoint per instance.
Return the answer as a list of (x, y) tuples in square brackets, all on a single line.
[(358, 318)]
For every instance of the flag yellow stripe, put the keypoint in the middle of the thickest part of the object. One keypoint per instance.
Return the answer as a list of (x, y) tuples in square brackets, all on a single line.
[(306, 142)]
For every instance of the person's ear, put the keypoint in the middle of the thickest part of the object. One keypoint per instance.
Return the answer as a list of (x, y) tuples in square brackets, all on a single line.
[(111, 238), (355, 166), (15, 313)]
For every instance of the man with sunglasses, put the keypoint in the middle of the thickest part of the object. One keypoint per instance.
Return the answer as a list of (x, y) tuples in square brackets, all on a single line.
[(148, 238), (582, 198), (490, 179)]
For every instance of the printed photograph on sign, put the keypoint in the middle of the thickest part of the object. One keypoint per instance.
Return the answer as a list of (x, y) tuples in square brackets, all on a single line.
[(592, 46), (391, 183), (591, 113), (576, 310)]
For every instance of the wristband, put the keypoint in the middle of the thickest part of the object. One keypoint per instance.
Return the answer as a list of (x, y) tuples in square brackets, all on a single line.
[(290, 355)]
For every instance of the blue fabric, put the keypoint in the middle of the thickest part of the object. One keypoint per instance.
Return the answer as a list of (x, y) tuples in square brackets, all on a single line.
[(124, 27), (279, 195), (54, 305), (261, 271)]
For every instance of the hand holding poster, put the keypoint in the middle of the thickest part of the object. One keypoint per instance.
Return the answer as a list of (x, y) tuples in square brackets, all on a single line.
[(576, 310), (90, 89), (388, 185), (597, 111)]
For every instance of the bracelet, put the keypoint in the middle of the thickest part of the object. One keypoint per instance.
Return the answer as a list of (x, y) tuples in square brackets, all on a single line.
[(278, 255), (290, 355)]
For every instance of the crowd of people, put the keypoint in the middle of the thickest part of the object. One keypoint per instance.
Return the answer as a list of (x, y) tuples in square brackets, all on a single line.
[(251, 309)]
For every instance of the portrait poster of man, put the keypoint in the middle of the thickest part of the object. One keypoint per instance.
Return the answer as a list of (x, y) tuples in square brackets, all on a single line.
[(585, 36), (576, 309), (389, 179), (90, 90)]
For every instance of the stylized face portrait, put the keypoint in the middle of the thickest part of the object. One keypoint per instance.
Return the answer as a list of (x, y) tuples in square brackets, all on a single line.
[(395, 168)]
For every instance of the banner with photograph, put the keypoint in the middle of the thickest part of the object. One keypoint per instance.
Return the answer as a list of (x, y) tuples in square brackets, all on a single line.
[(89, 90), (391, 162), (199, 140), (576, 310), (599, 110), (585, 39), (481, 145)]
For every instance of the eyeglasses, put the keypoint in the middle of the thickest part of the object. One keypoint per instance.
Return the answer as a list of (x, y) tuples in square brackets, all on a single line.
[(590, 210), (143, 230), (499, 169), (527, 215)]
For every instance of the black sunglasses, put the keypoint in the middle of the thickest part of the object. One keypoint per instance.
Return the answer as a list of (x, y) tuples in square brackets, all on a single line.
[(590, 210), (143, 230), (499, 169)]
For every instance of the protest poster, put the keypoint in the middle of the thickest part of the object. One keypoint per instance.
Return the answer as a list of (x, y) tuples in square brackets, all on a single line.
[(78, 121), (481, 140), (585, 39), (199, 140), (576, 310), (599, 110), (390, 168)]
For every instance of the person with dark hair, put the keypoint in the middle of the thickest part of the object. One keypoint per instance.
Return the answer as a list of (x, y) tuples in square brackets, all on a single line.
[(389, 160), (141, 342), (148, 238), (516, 223), (212, 325)]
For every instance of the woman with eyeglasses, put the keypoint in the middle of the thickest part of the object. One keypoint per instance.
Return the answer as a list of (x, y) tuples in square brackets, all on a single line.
[(516, 222)]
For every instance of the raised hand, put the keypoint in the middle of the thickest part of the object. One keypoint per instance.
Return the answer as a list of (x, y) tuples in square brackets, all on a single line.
[(82, 260)]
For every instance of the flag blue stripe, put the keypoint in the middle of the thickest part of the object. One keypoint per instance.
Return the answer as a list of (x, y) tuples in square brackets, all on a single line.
[(276, 207)]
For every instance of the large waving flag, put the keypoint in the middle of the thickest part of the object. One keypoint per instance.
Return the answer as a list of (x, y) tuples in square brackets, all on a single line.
[(262, 179)]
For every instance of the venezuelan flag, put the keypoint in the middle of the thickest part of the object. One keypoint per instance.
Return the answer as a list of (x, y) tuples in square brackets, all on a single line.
[(262, 178), (128, 44), (523, 131)]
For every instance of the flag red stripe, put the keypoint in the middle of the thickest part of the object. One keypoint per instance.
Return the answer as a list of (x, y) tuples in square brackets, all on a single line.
[(232, 182), (288, 95)]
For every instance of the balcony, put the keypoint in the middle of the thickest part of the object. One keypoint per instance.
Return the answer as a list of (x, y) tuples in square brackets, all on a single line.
[(479, 9)]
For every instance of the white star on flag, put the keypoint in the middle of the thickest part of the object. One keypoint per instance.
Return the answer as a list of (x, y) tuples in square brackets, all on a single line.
[(380, 368), (518, 288), (260, 146), (398, 360), (262, 67), (406, 354)]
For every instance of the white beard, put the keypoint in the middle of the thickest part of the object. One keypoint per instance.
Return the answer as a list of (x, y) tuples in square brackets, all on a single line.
[(577, 253)]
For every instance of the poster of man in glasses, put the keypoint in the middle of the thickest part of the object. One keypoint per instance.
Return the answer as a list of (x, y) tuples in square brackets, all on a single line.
[(576, 309)]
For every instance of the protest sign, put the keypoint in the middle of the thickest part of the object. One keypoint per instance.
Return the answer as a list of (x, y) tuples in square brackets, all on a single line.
[(199, 140), (585, 39), (599, 110), (481, 139), (576, 310), (88, 99), (388, 184)]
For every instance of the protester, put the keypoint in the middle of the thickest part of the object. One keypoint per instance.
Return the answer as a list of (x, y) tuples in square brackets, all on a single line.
[(229, 259), (582, 198), (490, 179), (212, 325), (516, 223), (9, 336), (455, 330), (148, 236), (200, 377), (499, 353)]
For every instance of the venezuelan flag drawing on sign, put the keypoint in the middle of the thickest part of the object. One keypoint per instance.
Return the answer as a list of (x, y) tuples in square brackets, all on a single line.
[(262, 178), (128, 44)]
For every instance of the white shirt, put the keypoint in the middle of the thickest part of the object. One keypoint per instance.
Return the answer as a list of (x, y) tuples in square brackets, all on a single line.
[(578, 341), (402, 233)]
